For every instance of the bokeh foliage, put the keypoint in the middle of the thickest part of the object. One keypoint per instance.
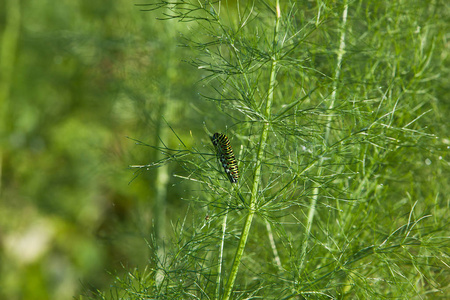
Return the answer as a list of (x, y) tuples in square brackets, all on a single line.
[(84, 76), (87, 74)]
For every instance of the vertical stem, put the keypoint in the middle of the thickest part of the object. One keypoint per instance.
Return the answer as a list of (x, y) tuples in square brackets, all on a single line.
[(160, 186), (312, 209), (166, 112), (257, 174), (8, 51), (220, 262), (276, 257), (337, 73), (239, 253)]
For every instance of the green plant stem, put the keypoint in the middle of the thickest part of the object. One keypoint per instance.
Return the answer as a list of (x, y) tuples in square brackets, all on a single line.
[(257, 173), (8, 52), (238, 255), (312, 209), (166, 111), (276, 257), (220, 263), (160, 198)]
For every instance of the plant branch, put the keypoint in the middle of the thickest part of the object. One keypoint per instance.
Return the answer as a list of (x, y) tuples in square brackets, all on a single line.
[(259, 158), (315, 193)]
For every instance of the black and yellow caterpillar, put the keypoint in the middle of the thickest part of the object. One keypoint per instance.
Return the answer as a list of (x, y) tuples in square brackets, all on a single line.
[(226, 156)]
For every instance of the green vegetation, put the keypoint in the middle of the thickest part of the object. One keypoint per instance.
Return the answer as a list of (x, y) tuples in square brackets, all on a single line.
[(336, 114)]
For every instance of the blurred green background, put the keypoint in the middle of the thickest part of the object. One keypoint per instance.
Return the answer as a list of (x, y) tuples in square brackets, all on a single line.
[(77, 78)]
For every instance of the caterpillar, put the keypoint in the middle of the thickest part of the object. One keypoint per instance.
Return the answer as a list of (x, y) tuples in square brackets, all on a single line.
[(226, 156)]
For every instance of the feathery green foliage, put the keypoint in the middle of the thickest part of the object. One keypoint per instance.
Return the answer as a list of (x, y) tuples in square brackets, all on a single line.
[(332, 114)]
